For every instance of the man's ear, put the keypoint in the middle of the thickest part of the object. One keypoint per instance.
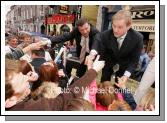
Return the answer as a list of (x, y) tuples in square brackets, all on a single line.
[(128, 27), (11, 102)]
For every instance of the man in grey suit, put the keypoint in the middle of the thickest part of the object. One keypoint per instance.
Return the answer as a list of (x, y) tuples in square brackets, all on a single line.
[(120, 45)]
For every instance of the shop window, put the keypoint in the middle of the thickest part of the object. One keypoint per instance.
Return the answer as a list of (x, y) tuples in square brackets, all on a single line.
[(64, 29)]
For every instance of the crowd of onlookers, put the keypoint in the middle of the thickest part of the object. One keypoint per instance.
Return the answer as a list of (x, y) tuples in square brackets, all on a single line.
[(34, 81)]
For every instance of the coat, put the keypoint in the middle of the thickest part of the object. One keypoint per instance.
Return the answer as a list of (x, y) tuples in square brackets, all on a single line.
[(127, 56), (58, 103), (47, 90), (75, 34)]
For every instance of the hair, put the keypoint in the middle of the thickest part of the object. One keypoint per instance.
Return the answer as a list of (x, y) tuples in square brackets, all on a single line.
[(36, 39), (82, 21), (11, 67), (151, 54), (25, 67), (48, 72), (148, 99), (108, 93), (123, 14), (10, 37), (79, 104), (119, 105), (40, 52), (8, 87), (24, 35)]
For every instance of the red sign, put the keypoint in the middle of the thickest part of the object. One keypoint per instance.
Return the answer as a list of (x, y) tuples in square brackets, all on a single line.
[(58, 18)]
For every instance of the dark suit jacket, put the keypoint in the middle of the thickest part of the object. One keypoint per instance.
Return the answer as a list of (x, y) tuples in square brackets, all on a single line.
[(37, 62), (128, 55), (75, 34)]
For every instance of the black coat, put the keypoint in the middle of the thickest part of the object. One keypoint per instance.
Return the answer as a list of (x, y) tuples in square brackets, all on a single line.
[(128, 55), (37, 62), (75, 34)]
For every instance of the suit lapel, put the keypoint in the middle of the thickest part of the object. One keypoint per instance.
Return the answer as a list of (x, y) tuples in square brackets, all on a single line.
[(125, 44), (114, 44)]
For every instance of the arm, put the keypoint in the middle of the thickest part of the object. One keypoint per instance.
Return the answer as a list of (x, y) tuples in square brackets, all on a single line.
[(63, 38), (18, 53), (146, 62), (135, 55), (58, 103), (128, 97), (126, 92), (97, 47)]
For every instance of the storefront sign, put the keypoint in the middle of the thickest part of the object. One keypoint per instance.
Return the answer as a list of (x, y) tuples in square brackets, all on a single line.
[(60, 19), (143, 14), (144, 27), (64, 9)]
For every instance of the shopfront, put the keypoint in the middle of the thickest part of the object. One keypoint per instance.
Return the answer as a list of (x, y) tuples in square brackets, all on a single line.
[(143, 18), (144, 22), (55, 23)]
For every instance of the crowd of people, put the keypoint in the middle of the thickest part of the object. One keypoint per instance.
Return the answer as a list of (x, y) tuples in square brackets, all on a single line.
[(34, 81)]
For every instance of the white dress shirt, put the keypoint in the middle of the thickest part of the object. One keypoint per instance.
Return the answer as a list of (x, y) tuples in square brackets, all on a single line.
[(83, 39)]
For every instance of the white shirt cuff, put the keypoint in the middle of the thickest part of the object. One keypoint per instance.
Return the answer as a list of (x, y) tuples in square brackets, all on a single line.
[(127, 73), (93, 52), (49, 41)]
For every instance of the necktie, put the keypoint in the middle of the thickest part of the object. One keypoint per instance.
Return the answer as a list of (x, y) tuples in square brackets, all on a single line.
[(83, 51), (119, 42)]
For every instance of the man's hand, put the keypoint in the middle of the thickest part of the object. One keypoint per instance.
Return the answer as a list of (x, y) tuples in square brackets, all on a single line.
[(98, 65), (122, 82), (32, 76), (61, 73), (89, 62), (34, 46), (89, 58)]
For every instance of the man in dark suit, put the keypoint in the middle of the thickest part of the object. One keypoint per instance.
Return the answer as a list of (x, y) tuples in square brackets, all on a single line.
[(120, 45), (84, 35)]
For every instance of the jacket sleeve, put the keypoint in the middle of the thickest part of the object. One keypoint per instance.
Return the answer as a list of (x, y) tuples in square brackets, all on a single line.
[(135, 54), (18, 53), (83, 82), (128, 97), (98, 45), (63, 38), (76, 90)]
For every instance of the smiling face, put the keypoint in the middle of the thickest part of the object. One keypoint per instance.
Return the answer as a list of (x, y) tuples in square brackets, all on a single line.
[(13, 42)]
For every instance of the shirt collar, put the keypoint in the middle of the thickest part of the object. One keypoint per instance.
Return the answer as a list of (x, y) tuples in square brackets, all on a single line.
[(122, 37)]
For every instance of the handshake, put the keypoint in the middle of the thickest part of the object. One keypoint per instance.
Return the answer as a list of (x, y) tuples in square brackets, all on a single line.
[(40, 44), (96, 65), (45, 41)]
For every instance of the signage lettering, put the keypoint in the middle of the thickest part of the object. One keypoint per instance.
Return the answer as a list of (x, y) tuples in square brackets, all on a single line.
[(144, 14)]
